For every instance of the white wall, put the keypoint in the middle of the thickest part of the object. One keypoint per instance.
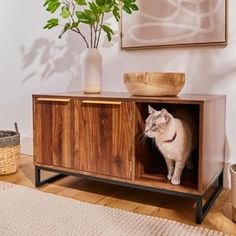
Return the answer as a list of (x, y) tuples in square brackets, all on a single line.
[(33, 60)]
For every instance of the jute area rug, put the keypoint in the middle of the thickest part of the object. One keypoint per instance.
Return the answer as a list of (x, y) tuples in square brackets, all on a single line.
[(25, 211)]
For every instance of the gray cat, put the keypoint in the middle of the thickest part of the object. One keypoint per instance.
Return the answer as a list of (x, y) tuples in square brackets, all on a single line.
[(175, 138)]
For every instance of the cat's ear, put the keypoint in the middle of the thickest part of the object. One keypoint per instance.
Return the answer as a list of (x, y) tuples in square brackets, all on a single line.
[(151, 110), (165, 114)]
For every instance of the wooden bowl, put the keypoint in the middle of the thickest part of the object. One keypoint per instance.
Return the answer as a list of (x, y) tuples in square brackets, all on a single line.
[(154, 83)]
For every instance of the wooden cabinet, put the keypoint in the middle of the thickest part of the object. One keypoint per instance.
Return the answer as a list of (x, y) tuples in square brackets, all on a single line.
[(103, 137), (99, 137), (86, 135), (54, 132)]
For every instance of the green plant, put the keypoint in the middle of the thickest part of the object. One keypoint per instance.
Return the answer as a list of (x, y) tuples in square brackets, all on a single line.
[(74, 13)]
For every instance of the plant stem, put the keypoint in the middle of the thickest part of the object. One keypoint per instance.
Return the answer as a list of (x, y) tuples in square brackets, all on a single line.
[(77, 29), (73, 10), (95, 37), (91, 36), (100, 30), (79, 32)]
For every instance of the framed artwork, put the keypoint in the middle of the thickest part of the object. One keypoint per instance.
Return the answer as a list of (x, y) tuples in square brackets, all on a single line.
[(172, 23)]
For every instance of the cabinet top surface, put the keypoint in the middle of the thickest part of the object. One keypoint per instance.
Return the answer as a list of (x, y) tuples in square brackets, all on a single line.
[(127, 96)]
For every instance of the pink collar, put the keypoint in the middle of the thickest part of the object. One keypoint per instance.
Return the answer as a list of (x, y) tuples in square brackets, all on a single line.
[(171, 140)]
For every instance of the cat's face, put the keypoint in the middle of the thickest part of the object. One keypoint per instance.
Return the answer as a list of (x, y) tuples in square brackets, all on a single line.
[(156, 122)]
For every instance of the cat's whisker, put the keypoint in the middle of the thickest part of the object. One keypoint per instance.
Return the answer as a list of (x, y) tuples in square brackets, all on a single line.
[(154, 144), (142, 138)]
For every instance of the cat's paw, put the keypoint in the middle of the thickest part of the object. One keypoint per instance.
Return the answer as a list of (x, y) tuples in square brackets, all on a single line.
[(175, 181), (169, 177)]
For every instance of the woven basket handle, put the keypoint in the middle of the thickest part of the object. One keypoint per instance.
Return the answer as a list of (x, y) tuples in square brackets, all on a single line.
[(16, 128)]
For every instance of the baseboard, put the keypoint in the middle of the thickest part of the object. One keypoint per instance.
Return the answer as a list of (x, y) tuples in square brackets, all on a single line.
[(27, 145), (227, 182)]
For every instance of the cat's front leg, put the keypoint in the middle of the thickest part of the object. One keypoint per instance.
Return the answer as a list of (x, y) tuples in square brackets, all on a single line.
[(170, 167), (179, 166)]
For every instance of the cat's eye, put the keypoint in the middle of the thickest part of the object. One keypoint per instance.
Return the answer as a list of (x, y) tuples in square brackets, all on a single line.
[(154, 125)]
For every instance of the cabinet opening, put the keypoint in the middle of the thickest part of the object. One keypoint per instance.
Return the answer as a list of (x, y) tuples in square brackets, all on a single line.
[(150, 164)]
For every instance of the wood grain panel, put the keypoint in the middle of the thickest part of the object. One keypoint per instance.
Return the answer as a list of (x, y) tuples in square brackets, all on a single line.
[(42, 133), (53, 136), (141, 148), (213, 140), (103, 138)]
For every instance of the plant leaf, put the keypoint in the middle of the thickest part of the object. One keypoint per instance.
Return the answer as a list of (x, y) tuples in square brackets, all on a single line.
[(46, 2), (65, 12), (116, 13), (100, 2), (52, 5), (126, 9), (134, 7), (81, 2), (66, 27), (84, 17), (93, 6), (108, 31), (51, 23), (74, 25)]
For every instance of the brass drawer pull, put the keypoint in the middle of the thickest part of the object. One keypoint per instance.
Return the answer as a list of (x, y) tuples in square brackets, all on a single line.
[(54, 99), (101, 102)]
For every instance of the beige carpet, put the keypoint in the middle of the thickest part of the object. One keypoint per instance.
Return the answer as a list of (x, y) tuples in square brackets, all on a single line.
[(25, 211)]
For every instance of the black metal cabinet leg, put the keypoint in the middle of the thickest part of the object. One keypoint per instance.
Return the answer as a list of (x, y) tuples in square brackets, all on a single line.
[(214, 196), (199, 216), (201, 210), (37, 177), (39, 182)]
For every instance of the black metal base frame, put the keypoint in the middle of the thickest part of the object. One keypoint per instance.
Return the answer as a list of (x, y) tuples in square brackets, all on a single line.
[(201, 210)]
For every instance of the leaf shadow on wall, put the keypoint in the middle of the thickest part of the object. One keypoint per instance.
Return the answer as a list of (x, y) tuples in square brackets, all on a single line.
[(48, 58)]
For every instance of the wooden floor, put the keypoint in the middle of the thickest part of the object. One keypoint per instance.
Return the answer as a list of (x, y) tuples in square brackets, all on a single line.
[(142, 202)]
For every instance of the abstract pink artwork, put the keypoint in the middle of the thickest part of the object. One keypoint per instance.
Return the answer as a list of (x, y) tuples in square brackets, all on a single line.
[(161, 23)]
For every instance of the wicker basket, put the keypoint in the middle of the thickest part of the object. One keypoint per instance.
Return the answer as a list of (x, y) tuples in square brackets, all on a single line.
[(9, 151)]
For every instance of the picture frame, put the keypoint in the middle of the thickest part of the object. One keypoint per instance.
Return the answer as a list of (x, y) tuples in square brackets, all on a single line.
[(175, 23)]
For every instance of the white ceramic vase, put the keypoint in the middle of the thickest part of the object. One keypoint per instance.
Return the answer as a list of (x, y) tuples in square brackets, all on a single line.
[(92, 71), (232, 169)]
